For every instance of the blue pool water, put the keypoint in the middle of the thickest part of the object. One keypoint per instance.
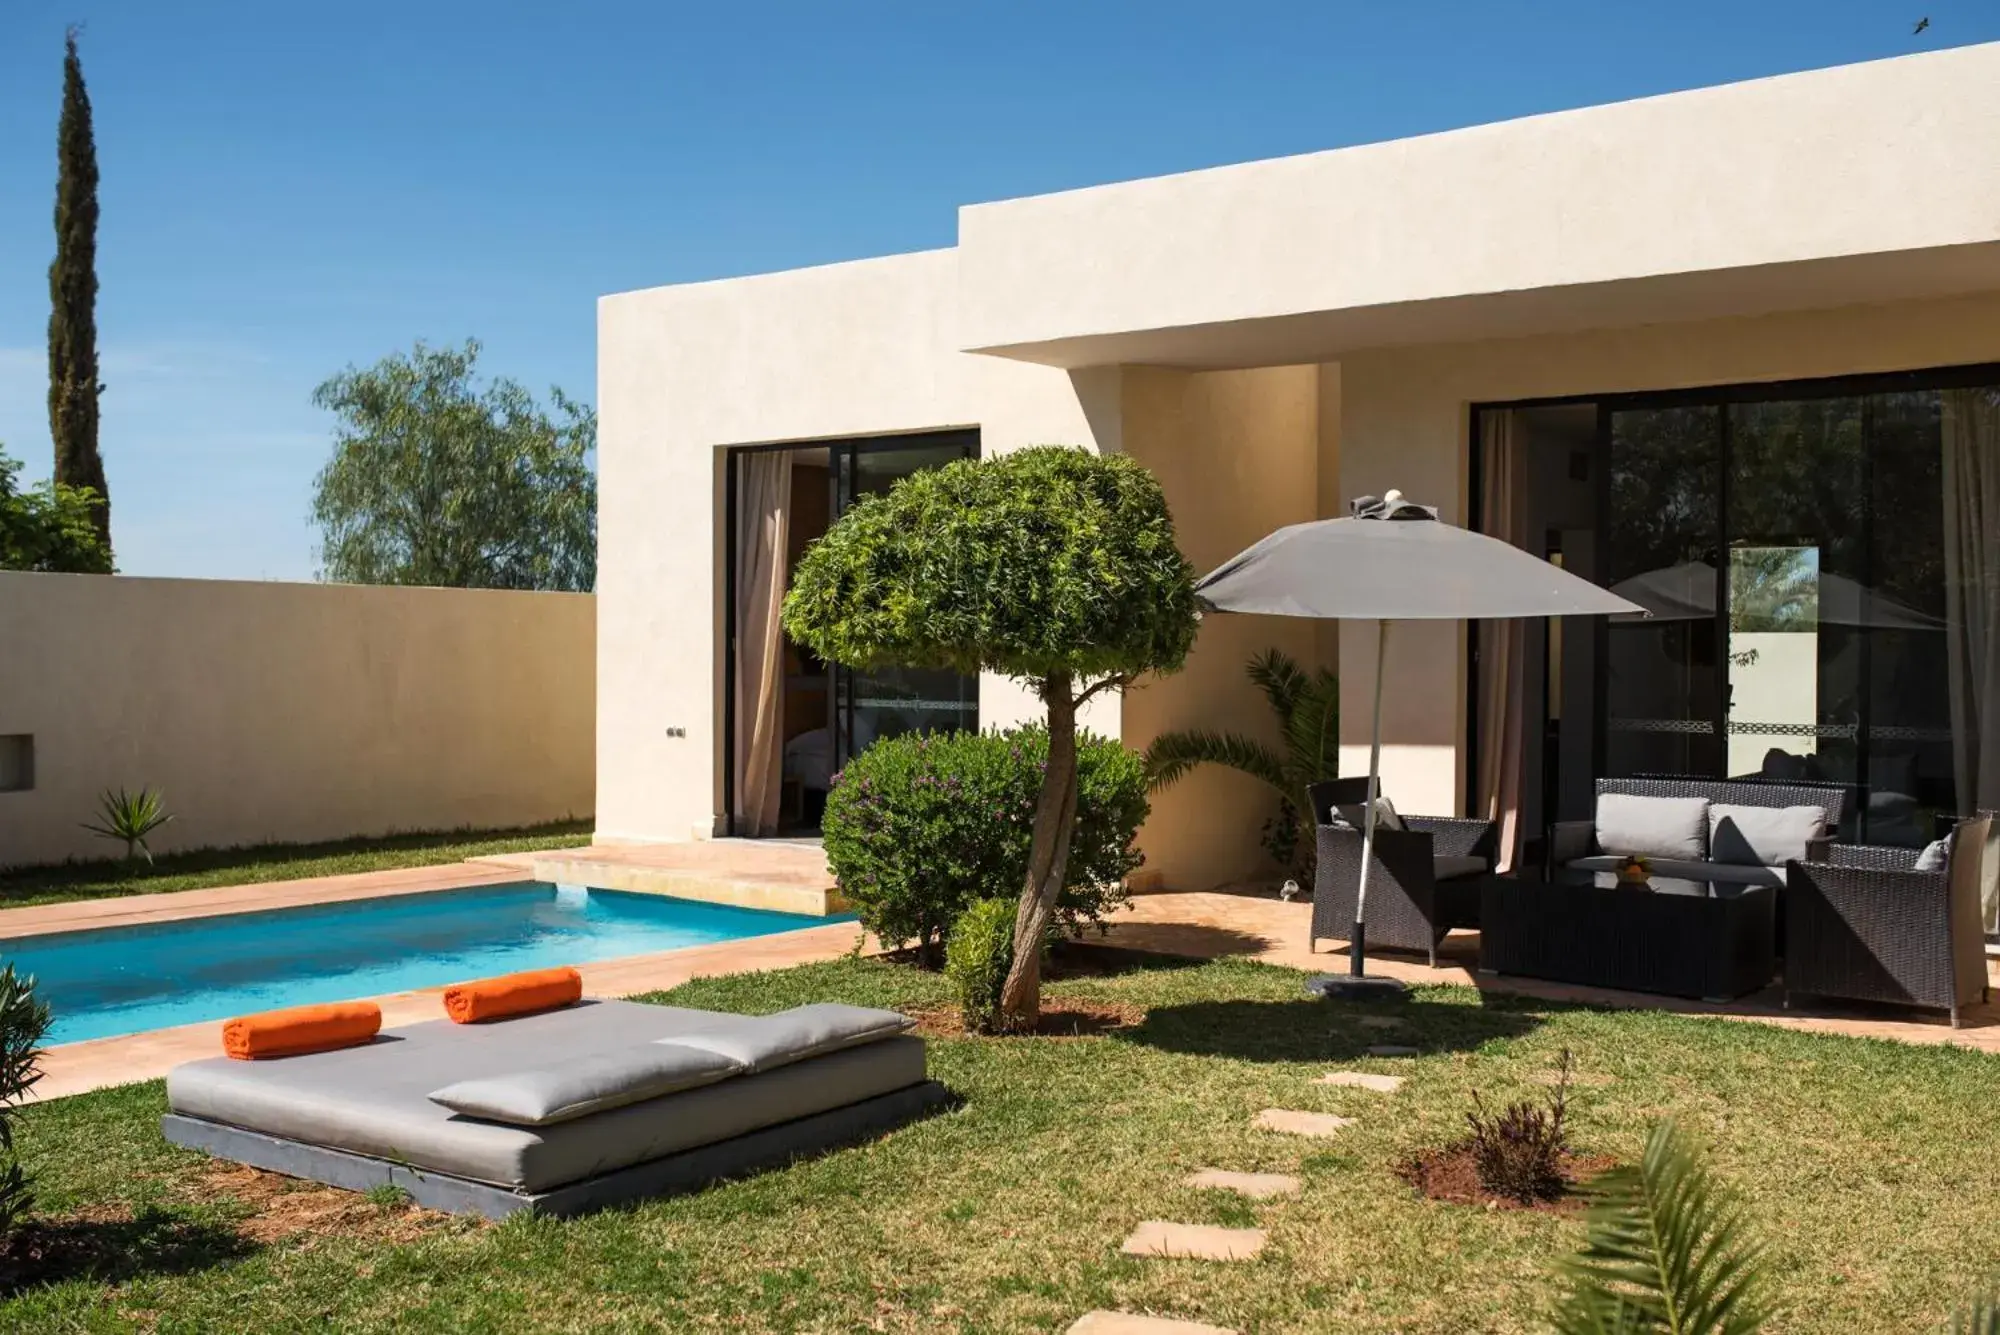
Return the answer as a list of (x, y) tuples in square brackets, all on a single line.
[(122, 980)]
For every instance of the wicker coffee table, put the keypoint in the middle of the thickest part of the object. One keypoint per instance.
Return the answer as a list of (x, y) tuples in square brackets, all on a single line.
[(1676, 938)]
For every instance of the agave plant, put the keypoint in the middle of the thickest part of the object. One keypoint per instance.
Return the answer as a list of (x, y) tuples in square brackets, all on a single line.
[(130, 817), (1307, 706)]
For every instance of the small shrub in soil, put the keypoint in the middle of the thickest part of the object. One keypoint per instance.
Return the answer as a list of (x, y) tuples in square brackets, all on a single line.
[(976, 959), (1519, 1153)]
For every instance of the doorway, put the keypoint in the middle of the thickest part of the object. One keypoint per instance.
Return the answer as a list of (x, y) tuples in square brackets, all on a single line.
[(791, 721)]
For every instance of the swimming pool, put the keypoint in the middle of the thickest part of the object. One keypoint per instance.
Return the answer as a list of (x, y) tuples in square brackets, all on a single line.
[(123, 980)]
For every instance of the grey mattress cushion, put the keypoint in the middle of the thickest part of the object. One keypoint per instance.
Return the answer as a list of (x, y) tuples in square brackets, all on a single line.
[(762, 1043), (579, 1086), (374, 1099), (1654, 827), (1762, 836), (1447, 865), (1684, 869)]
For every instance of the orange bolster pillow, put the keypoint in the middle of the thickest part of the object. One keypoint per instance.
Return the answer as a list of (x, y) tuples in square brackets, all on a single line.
[(302, 1029), (513, 994)]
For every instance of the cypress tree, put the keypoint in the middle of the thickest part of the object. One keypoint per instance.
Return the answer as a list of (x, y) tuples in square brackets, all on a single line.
[(73, 383)]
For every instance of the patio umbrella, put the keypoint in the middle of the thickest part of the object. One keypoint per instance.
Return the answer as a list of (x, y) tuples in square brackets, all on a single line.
[(1392, 560)]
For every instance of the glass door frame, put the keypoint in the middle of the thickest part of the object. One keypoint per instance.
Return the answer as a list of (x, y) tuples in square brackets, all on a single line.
[(842, 452), (1965, 376)]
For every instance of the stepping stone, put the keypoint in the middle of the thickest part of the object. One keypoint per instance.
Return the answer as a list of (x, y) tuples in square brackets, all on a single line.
[(1200, 1242), (1391, 1050), (1257, 1186), (1381, 1022), (1381, 1084), (1130, 1323), (1301, 1123)]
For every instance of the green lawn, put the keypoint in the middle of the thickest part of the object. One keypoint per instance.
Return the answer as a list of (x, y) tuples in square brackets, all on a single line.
[(1870, 1164), (273, 862)]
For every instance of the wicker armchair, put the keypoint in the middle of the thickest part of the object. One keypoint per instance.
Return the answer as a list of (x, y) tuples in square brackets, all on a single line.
[(1860, 923), (1409, 907)]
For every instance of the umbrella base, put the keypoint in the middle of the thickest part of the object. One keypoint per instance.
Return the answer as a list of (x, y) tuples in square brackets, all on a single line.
[(1351, 987)]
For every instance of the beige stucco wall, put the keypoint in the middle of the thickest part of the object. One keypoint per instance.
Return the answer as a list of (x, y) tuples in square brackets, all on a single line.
[(271, 712), (1406, 417), (1861, 182), (1238, 454), (684, 372)]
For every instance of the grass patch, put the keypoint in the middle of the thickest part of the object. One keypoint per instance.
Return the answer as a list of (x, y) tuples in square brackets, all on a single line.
[(200, 869), (1868, 1164)]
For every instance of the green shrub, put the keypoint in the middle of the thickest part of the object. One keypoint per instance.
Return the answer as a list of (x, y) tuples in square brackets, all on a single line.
[(919, 827), (23, 1021), (976, 960)]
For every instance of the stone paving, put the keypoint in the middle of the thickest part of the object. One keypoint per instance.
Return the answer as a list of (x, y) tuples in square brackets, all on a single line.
[(1130, 1323), (1295, 1123), (1256, 1186), (1199, 1242), (1380, 1084)]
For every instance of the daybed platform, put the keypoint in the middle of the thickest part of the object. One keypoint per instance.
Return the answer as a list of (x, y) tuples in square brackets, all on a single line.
[(754, 1092)]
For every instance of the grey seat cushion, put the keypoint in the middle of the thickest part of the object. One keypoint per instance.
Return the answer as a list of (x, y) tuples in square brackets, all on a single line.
[(374, 1099), (765, 1042), (1684, 869), (1447, 865), (1762, 836), (579, 1086), (1654, 827)]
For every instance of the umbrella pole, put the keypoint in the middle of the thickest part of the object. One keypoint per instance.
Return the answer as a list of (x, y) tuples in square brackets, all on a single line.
[(1358, 942)]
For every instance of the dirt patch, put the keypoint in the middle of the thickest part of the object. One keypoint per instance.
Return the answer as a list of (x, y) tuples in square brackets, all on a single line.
[(1449, 1174), (1063, 1019), (283, 1208), (112, 1244)]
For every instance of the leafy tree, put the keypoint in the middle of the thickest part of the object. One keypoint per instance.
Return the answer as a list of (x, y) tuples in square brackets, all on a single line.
[(23, 1022), (437, 480), (1307, 708), (1051, 565), (73, 383), (50, 527)]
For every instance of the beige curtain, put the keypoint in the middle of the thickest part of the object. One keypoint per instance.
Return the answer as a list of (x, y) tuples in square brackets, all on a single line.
[(763, 519), (1972, 605), (1503, 469)]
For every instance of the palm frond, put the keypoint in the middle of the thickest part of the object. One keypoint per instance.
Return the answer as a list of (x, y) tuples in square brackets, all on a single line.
[(1982, 1318), (1278, 675), (1668, 1249), (1312, 732), (1173, 754)]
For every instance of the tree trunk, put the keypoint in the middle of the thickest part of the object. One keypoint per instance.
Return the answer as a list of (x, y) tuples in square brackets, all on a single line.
[(1048, 858)]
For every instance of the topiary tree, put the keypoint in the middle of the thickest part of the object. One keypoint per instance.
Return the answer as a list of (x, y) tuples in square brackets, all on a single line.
[(1051, 565)]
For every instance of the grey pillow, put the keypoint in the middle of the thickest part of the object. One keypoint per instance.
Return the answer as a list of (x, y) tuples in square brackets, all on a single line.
[(1935, 857), (765, 1041), (1352, 814), (1653, 827), (586, 1085), (1762, 836)]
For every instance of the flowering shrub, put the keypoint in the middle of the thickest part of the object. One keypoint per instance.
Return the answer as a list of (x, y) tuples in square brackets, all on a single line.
[(918, 828)]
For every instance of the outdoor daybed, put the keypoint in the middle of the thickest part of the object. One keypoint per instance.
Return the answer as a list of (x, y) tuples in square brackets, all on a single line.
[(564, 1111)]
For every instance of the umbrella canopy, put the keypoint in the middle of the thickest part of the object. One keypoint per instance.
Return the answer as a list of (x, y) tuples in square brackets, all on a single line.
[(1393, 560), (1687, 593)]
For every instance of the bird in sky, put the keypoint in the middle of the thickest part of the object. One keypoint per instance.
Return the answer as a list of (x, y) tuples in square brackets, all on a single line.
[(1922, 23)]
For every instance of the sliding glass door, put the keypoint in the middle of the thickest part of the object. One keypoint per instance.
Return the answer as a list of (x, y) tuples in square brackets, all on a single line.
[(890, 701), (1816, 568)]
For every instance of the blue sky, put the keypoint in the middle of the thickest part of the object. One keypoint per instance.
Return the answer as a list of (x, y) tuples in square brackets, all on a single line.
[(292, 188)]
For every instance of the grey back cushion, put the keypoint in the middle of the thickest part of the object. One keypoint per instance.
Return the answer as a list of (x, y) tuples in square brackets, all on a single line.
[(1762, 836), (762, 1042), (1654, 827), (1354, 815), (585, 1085), (1935, 857)]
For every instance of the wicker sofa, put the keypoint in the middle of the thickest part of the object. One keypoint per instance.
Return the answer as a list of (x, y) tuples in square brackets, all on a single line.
[(1862, 923), (1425, 880), (1577, 853)]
